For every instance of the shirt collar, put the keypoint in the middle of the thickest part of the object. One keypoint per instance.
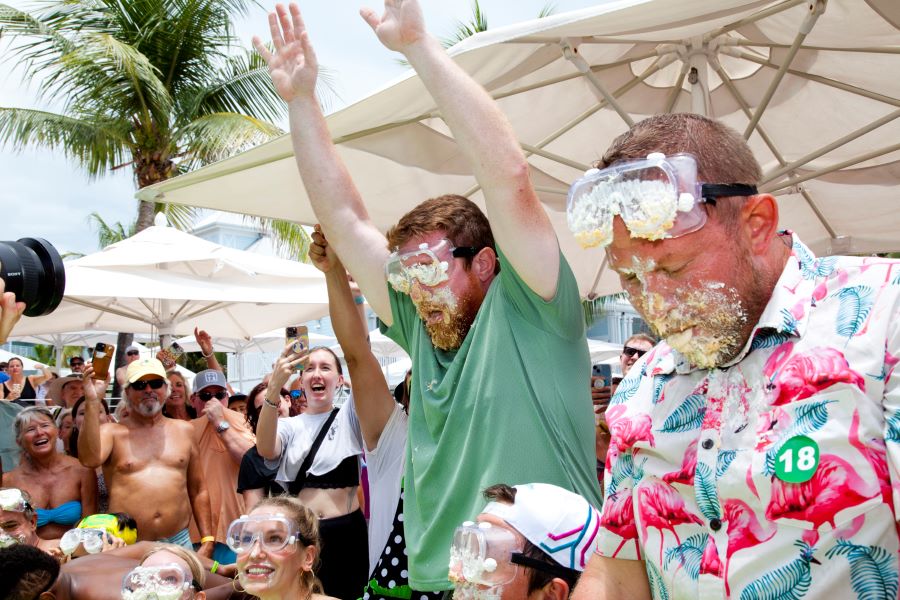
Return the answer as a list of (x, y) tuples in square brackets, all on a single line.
[(786, 314)]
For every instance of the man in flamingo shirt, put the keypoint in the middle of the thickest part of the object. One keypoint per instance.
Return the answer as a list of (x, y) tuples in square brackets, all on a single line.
[(754, 451)]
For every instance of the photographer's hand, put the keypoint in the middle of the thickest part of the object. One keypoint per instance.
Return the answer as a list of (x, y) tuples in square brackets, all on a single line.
[(10, 311)]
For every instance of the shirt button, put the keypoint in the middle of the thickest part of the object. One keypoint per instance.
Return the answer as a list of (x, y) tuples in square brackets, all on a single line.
[(707, 444), (715, 524)]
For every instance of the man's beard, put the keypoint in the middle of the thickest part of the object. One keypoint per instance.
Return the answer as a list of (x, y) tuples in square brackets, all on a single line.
[(706, 325), (457, 316), (147, 410)]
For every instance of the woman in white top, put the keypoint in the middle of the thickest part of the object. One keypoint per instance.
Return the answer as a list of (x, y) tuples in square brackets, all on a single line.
[(328, 484)]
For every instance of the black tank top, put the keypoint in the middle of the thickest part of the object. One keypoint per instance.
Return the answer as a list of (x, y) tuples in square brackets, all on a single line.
[(344, 475), (28, 392)]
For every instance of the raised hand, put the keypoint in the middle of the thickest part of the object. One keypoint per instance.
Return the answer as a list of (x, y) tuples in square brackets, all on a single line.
[(10, 312), (204, 341), (320, 253), (285, 366), (293, 66), (401, 24)]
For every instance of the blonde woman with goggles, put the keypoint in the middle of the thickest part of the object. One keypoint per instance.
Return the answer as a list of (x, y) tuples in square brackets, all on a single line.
[(277, 547), (167, 572)]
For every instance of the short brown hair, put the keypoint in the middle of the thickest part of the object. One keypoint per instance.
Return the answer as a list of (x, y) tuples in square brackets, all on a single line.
[(723, 156), (458, 217)]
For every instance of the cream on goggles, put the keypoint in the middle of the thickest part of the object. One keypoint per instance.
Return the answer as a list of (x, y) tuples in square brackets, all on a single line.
[(13, 499), (274, 533), (162, 582), (481, 554), (91, 539), (657, 197), (429, 265), (10, 540)]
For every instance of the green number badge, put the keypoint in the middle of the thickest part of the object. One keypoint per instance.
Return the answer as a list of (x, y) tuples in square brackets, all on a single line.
[(797, 460)]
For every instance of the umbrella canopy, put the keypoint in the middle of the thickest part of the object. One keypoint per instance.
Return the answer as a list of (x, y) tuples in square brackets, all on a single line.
[(807, 83), (269, 341), (166, 281)]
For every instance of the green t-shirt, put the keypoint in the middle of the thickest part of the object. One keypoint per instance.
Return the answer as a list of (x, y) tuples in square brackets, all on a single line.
[(512, 405)]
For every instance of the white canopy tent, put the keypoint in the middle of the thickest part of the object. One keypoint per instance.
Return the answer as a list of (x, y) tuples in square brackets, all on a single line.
[(163, 281), (812, 86)]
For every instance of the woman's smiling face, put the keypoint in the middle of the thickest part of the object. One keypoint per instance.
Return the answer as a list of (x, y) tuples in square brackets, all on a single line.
[(321, 379), (268, 573)]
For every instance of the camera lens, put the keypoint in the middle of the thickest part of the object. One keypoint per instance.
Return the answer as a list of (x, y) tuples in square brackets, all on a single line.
[(32, 269)]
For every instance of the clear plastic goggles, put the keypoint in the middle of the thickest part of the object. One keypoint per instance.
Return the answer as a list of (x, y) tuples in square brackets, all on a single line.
[(657, 197), (481, 554), (273, 533), (110, 524), (14, 500), (7, 540), (92, 540), (429, 265), (162, 582)]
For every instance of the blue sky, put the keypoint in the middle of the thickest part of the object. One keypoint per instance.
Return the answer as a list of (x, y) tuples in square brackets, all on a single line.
[(42, 195)]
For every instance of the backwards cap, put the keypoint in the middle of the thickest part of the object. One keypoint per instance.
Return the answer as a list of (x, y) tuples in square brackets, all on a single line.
[(559, 522)]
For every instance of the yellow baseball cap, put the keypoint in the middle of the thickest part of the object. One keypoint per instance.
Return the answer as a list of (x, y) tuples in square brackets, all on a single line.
[(142, 368)]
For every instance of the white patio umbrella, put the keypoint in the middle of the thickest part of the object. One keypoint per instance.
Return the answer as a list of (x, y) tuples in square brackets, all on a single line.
[(163, 281), (812, 86)]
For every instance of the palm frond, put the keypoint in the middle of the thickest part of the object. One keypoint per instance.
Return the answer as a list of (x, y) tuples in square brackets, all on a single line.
[(179, 216), (109, 234), (217, 136), (106, 73), (595, 307), (476, 24), (547, 10), (291, 240), (95, 145)]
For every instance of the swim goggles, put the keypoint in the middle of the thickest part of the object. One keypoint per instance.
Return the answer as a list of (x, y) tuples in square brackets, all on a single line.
[(429, 265), (162, 582), (658, 197), (92, 540), (12, 499), (273, 533), (110, 524)]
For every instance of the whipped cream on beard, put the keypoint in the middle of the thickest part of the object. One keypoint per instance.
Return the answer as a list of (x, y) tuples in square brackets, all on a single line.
[(705, 324), (447, 318)]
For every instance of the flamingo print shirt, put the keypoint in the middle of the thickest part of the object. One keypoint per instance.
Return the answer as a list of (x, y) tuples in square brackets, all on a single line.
[(690, 475)]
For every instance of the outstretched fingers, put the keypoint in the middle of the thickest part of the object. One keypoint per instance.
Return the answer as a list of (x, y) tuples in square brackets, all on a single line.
[(275, 29), (370, 17), (262, 49)]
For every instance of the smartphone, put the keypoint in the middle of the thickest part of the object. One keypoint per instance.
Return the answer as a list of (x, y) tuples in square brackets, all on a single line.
[(297, 337), (103, 354), (169, 356), (602, 373)]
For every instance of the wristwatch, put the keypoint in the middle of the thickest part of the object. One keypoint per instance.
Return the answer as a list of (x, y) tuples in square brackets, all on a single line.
[(223, 427)]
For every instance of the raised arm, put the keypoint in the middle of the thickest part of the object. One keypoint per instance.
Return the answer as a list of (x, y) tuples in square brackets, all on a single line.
[(333, 195), (95, 443), (199, 497), (520, 225), (268, 444), (204, 341), (372, 399)]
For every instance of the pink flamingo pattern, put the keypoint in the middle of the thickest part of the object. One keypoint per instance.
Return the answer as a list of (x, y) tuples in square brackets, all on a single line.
[(705, 502)]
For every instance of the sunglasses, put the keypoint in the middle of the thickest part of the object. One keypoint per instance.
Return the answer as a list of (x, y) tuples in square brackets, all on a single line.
[(629, 351), (207, 396), (141, 385), (132, 353), (76, 364)]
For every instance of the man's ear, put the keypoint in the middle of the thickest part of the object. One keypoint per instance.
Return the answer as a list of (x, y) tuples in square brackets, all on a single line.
[(759, 221), (556, 589), (484, 264)]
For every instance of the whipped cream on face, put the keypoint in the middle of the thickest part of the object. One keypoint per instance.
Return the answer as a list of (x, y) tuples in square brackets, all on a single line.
[(704, 324)]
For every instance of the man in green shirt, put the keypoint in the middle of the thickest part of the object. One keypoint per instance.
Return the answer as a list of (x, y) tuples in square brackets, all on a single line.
[(489, 313)]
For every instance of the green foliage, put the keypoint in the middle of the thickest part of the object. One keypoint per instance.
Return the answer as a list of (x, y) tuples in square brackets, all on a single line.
[(595, 307)]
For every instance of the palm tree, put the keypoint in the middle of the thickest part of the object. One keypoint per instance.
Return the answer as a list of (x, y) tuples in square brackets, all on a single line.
[(159, 86)]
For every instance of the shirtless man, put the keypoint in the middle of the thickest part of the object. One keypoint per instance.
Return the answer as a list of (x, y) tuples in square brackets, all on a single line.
[(150, 462)]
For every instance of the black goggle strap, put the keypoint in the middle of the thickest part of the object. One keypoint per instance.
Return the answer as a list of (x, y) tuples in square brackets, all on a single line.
[(710, 191), (551, 568), (197, 587), (464, 251)]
